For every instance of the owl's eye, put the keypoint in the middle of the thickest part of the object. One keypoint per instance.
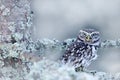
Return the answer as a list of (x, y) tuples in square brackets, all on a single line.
[(95, 36), (82, 35)]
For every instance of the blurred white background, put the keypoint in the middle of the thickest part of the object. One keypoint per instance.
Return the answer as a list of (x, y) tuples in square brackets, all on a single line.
[(62, 19)]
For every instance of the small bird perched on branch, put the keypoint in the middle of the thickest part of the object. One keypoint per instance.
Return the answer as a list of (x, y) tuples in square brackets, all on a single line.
[(83, 50)]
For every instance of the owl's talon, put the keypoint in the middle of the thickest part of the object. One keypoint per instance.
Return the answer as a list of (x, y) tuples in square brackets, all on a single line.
[(93, 72), (79, 69)]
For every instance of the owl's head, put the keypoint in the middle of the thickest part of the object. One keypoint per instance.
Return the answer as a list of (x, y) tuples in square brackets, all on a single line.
[(89, 36)]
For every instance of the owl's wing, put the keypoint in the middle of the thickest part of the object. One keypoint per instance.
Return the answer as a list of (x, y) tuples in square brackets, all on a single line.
[(94, 52), (67, 53), (72, 51)]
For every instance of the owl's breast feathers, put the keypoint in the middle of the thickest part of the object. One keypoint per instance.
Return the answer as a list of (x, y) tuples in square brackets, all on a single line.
[(79, 54)]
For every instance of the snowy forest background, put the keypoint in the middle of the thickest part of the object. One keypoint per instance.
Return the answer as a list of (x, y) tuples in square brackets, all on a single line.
[(26, 55), (62, 19)]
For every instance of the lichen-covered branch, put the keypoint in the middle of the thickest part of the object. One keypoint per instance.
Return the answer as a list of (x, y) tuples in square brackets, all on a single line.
[(15, 20), (44, 44)]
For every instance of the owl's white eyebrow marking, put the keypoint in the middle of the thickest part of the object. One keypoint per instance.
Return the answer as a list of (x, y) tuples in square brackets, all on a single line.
[(84, 32), (95, 32), (87, 33)]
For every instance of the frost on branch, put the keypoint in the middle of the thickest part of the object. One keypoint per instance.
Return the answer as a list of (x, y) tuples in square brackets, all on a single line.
[(51, 70), (45, 44)]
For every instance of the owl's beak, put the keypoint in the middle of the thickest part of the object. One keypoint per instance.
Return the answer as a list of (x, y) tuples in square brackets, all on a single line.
[(88, 39)]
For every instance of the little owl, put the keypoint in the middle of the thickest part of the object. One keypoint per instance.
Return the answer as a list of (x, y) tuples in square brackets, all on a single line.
[(83, 50)]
